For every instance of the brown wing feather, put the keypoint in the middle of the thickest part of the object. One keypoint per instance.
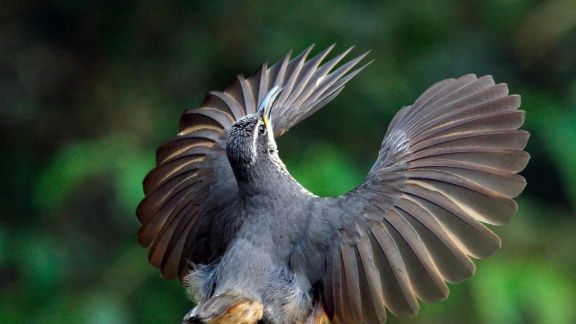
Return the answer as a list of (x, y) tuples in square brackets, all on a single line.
[(187, 213), (448, 163), (370, 283), (393, 275)]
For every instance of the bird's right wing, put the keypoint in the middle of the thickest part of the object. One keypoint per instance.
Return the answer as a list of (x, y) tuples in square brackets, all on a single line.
[(447, 163)]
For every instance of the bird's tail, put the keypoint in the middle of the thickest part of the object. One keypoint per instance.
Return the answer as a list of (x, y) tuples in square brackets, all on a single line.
[(226, 308)]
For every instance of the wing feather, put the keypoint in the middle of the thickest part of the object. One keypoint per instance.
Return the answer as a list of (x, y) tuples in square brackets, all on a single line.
[(476, 239), (278, 71), (171, 263), (368, 309), (352, 291), (515, 139), (345, 304), (460, 110), (375, 311), (425, 278), (306, 80), (396, 288), (321, 88), (451, 262)]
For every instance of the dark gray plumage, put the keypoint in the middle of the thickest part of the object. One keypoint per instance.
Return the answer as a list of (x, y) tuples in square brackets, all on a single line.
[(223, 214)]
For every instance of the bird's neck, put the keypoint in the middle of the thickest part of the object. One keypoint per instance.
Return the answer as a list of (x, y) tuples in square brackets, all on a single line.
[(268, 177)]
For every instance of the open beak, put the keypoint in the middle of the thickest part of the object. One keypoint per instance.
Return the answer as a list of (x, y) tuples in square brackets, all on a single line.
[(265, 108)]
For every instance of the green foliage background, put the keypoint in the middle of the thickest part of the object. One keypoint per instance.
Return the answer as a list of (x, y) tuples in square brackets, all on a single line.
[(88, 91)]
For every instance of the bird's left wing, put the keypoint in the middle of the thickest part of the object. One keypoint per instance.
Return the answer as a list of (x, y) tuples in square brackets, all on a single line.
[(187, 213), (447, 163)]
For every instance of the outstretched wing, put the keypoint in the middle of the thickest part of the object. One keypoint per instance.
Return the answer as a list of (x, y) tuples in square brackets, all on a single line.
[(447, 163), (186, 214)]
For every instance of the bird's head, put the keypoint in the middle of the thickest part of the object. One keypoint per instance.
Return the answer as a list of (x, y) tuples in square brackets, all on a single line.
[(251, 138)]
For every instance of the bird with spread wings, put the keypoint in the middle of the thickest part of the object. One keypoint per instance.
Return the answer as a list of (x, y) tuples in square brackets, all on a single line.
[(222, 213)]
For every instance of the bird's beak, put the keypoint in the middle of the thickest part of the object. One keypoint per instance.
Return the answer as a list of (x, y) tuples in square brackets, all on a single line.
[(265, 108)]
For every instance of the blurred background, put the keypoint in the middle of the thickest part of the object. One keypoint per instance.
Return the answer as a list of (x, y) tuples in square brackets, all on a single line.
[(90, 89)]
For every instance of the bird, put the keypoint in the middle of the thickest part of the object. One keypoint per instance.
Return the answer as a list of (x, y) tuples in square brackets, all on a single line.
[(222, 214)]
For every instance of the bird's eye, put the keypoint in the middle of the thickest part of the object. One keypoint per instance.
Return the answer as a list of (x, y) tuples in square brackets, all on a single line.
[(262, 129)]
